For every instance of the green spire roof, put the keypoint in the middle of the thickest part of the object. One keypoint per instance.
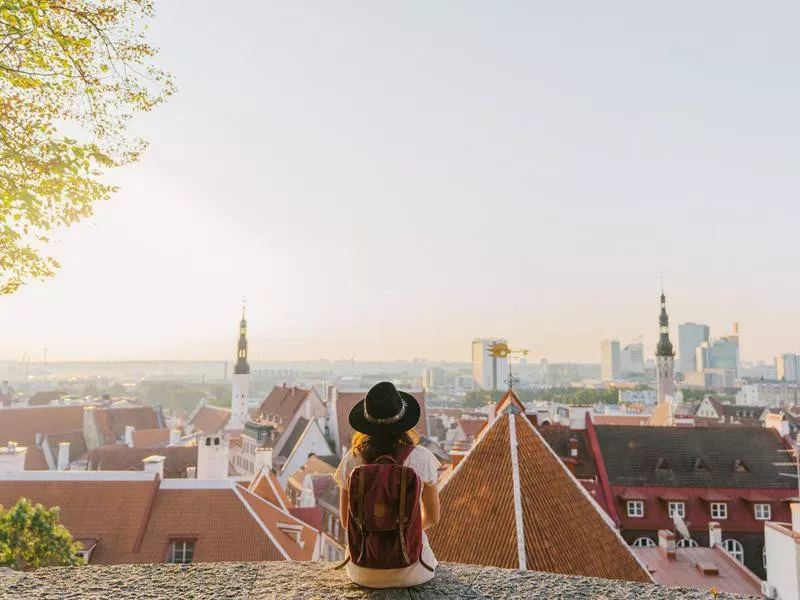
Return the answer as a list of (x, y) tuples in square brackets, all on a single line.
[(664, 347)]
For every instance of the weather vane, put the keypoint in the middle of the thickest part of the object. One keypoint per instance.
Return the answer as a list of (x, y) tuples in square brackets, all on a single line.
[(501, 350)]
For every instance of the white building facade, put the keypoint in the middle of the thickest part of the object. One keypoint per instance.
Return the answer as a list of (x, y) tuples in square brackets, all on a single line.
[(488, 372)]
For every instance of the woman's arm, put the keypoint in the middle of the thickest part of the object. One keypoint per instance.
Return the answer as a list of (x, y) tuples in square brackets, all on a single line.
[(344, 506), (430, 506)]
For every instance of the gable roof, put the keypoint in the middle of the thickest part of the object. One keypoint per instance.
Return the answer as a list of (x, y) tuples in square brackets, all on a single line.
[(22, 424), (118, 457), (345, 401), (282, 402), (133, 517), (512, 503), (111, 422), (314, 466), (148, 438), (267, 486), (558, 438), (471, 427), (77, 444), (631, 454), (209, 419), (293, 437)]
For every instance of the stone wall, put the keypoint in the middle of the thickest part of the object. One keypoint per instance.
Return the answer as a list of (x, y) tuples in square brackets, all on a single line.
[(279, 580)]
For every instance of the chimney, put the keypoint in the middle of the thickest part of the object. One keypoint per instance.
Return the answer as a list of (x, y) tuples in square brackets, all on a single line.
[(714, 534), (191, 472), (573, 447), (666, 543), (129, 429), (12, 458), (154, 464), (39, 437), (174, 437), (63, 456)]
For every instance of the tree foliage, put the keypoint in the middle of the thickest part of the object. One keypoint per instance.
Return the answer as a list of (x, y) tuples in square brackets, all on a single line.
[(76, 66), (32, 537)]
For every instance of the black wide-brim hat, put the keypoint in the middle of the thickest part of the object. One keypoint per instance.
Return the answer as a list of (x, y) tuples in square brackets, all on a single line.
[(385, 410)]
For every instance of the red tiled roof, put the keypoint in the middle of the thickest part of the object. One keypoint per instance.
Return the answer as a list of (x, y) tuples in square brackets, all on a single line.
[(282, 402), (77, 444), (135, 520), (311, 516), (471, 427), (314, 466), (345, 401), (210, 419), (22, 424), (109, 511), (682, 570), (267, 486), (147, 438), (562, 530), (118, 457)]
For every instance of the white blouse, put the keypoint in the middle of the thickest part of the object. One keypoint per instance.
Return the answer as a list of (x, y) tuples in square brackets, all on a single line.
[(426, 467)]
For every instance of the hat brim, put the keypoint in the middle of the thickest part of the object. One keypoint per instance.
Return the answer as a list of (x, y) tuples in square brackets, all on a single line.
[(411, 417)]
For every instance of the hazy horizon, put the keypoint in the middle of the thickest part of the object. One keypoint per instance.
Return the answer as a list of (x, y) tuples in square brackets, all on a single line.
[(392, 181)]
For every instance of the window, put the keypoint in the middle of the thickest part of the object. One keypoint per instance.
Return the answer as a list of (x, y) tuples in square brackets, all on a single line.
[(687, 543), (677, 509), (735, 549), (643, 542), (763, 512), (181, 552), (635, 508), (719, 510)]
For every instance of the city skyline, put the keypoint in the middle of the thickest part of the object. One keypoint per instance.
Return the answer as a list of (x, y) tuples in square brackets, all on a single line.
[(394, 181)]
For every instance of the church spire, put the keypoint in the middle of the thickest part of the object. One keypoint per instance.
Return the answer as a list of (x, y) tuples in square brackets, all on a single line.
[(242, 367), (664, 347)]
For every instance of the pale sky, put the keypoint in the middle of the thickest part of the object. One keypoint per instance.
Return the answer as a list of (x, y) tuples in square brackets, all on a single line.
[(393, 179)]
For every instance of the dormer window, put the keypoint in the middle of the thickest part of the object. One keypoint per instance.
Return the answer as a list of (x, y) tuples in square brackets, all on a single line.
[(700, 464), (181, 552), (662, 464), (762, 512), (719, 510), (293, 531), (740, 467), (636, 509)]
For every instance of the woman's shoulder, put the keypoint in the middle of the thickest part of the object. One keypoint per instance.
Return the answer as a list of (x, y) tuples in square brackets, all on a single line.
[(422, 453)]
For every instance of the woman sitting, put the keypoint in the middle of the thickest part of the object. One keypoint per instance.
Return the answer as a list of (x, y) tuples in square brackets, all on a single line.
[(389, 494)]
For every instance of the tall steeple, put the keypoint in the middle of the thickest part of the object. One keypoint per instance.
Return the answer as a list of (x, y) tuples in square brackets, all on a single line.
[(664, 347), (241, 381), (665, 371), (242, 367)]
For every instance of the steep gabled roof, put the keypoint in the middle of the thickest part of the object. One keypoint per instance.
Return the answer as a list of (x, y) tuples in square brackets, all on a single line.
[(294, 435), (282, 402), (118, 457), (512, 503), (631, 453), (210, 419), (267, 486), (22, 424), (314, 466)]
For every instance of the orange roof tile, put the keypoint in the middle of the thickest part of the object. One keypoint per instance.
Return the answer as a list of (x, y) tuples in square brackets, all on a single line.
[(314, 466), (345, 401), (147, 438), (267, 486), (210, 419), (22, 424), (282, 402), (111, 422), (508, 504), (471, 427), (118, 457)]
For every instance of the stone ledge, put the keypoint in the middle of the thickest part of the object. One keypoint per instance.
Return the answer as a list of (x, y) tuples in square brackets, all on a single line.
[(278, 580)]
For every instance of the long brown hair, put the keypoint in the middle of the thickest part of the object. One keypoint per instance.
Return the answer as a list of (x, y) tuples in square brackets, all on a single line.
[(370, 447)]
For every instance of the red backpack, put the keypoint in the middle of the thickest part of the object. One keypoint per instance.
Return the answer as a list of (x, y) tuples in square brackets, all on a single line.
[(384, 526)]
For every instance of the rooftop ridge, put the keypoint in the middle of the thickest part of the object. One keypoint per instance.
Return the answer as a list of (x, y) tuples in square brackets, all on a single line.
[(89, 476), (512, 439)]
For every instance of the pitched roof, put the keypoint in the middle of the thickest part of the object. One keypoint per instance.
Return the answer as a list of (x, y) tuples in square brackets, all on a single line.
[(267, 486), (209, 419), (314, 466), (148, 438), (118, 457), (77, 444), (471, 427), (345, 401), (134, 517), (294, 435), (559, 438), (44, 398), (111, 422), (282, 402), (22, 424), (631, 455), (511, 503), (683, 570)]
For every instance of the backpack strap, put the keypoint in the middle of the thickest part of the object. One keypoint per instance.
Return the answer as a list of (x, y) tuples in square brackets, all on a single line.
[(360, 521), (401, 517)]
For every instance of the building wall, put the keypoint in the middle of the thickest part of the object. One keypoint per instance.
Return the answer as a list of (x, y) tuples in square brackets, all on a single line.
[(632, 359), (787, 367), (609, 359), (783, 562), (690, 336), (488, 372)]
